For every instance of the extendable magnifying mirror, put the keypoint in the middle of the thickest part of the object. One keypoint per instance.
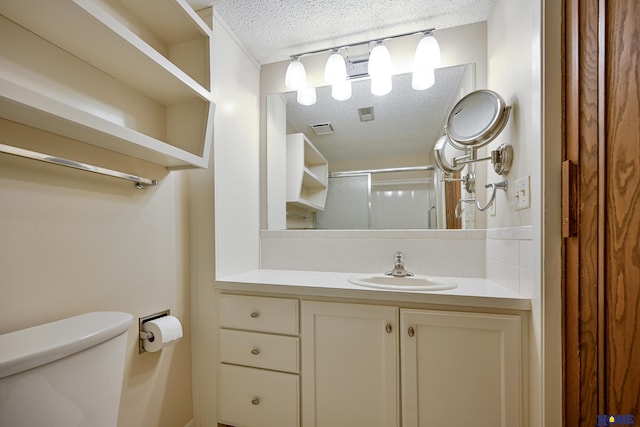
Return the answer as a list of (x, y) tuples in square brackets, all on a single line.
[(475, 121)]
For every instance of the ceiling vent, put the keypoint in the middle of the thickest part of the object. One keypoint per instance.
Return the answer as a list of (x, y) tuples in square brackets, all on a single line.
[(366, 114), (322, 128)]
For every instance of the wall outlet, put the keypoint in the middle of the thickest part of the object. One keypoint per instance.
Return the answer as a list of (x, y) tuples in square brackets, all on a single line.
[(521, 193)]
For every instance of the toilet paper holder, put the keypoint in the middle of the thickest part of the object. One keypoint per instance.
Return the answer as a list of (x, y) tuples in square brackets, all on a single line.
[(144, 335)]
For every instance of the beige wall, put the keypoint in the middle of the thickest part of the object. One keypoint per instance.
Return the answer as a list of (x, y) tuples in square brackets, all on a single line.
[(73, 242), (225, 205)]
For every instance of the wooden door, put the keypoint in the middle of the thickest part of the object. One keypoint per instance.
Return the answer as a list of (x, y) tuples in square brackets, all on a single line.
[(601, 295), (460, 369), (349, 365)]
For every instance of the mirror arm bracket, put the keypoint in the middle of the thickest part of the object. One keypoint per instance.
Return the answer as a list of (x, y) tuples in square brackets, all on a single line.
[(501, 159)]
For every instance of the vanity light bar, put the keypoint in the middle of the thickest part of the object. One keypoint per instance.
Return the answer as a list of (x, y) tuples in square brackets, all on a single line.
[(314, 52)]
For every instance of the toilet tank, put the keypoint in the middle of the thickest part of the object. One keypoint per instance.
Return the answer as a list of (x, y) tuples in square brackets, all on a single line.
[(66, 373)]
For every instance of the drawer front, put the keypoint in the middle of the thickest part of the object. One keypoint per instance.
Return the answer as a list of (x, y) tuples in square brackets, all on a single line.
[(256, 398), (262, 314), (277, 352)]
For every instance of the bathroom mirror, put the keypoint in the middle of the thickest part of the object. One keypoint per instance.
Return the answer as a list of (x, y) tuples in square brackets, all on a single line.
[(477, 119), (368, 132)]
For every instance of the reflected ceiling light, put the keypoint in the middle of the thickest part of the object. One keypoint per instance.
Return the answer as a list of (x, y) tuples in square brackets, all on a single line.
[(421, 80), (335, 71), (295, 77), (381, 85), (306, 96), (341, 91), (426, 60)]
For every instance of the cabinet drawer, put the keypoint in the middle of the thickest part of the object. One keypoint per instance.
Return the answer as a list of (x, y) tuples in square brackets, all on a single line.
[(276, 352), (263, 314), (256, 398)]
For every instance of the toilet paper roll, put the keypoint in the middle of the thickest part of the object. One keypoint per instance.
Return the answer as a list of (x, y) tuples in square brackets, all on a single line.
[(166, 330)]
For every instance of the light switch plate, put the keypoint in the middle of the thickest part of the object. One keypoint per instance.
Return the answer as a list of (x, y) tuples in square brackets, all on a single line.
[(521, 193)]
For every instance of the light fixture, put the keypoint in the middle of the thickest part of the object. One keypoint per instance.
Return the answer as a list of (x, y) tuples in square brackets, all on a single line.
[(380, 69), (295, 77), (335, 71), (341, 91), (427, 58), (379, 61), (306, 96), (379, 66)]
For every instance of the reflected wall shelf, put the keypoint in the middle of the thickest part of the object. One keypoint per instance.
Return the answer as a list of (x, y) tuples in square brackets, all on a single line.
[(130, 76), (307, 174)]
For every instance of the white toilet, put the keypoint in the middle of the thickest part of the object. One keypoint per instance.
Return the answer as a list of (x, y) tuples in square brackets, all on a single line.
[(66, 373)]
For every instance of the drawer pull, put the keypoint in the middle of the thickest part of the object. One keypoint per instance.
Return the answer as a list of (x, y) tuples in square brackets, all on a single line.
[(411, 331), (255, 401), (254, 314), (255, 351), (389, 328)]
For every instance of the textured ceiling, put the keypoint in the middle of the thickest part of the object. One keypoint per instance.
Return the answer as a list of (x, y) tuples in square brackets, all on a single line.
[(273, 30), (407, 122)]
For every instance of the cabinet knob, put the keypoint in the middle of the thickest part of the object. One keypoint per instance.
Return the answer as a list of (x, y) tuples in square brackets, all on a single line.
[(254, 314), (389, 328), (255, 401), (411, 331), (255, 351)]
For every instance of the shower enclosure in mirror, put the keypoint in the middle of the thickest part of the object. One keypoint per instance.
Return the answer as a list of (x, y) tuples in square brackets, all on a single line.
[(379, 151)]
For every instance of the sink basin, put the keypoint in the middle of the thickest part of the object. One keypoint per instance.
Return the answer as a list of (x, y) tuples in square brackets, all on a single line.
[(409, 283)]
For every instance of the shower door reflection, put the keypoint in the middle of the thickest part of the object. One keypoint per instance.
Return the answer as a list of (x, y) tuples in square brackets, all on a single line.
[(360, 202)]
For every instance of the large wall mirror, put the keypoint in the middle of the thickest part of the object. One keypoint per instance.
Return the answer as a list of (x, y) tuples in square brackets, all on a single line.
[(372, 145)]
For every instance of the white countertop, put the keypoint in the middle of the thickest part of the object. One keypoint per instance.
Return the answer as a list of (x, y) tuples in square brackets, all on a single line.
[(472, 292)]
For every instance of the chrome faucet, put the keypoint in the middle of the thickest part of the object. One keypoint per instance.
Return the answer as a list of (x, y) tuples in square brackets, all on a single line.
[(398, 266)]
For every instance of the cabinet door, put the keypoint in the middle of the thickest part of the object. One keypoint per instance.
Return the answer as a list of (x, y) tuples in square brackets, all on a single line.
[(349, 365), (460, 369)]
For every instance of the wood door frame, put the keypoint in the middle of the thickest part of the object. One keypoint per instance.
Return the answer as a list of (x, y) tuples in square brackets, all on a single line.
[(600, 277), (583, 253)]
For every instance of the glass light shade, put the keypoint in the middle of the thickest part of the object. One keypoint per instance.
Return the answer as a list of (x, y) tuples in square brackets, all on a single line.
[(335, 71), (381, 85), (423, 79), (295, 77), (341, 91), (379, 61), (427, 54), (306, 96)]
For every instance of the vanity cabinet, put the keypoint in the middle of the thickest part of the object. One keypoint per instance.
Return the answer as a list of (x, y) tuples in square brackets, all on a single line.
[(350, 365), (259, 383), (367, 365), (460, 369), (307, 174), (129, 76)]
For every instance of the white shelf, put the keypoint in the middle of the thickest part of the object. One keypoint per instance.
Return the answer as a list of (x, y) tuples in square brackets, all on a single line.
[(131, 76), (307, 174), (34, 109)]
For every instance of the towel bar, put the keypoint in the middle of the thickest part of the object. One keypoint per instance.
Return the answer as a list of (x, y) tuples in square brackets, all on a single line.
[(140, 182)]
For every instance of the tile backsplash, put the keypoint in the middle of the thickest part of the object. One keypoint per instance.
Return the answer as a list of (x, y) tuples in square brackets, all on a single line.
[(509, 253), (503, 256), (431, 252)]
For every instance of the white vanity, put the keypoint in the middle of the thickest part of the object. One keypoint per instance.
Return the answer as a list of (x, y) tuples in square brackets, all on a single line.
[(311, 349)]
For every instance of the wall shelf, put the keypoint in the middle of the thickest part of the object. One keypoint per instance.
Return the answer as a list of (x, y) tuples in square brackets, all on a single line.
[(307, 174), (129, 76)]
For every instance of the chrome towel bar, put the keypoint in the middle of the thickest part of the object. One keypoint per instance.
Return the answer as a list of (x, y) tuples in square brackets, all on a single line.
[(140, 182)]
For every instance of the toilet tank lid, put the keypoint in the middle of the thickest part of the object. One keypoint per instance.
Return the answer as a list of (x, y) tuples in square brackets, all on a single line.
[(28, 348)]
